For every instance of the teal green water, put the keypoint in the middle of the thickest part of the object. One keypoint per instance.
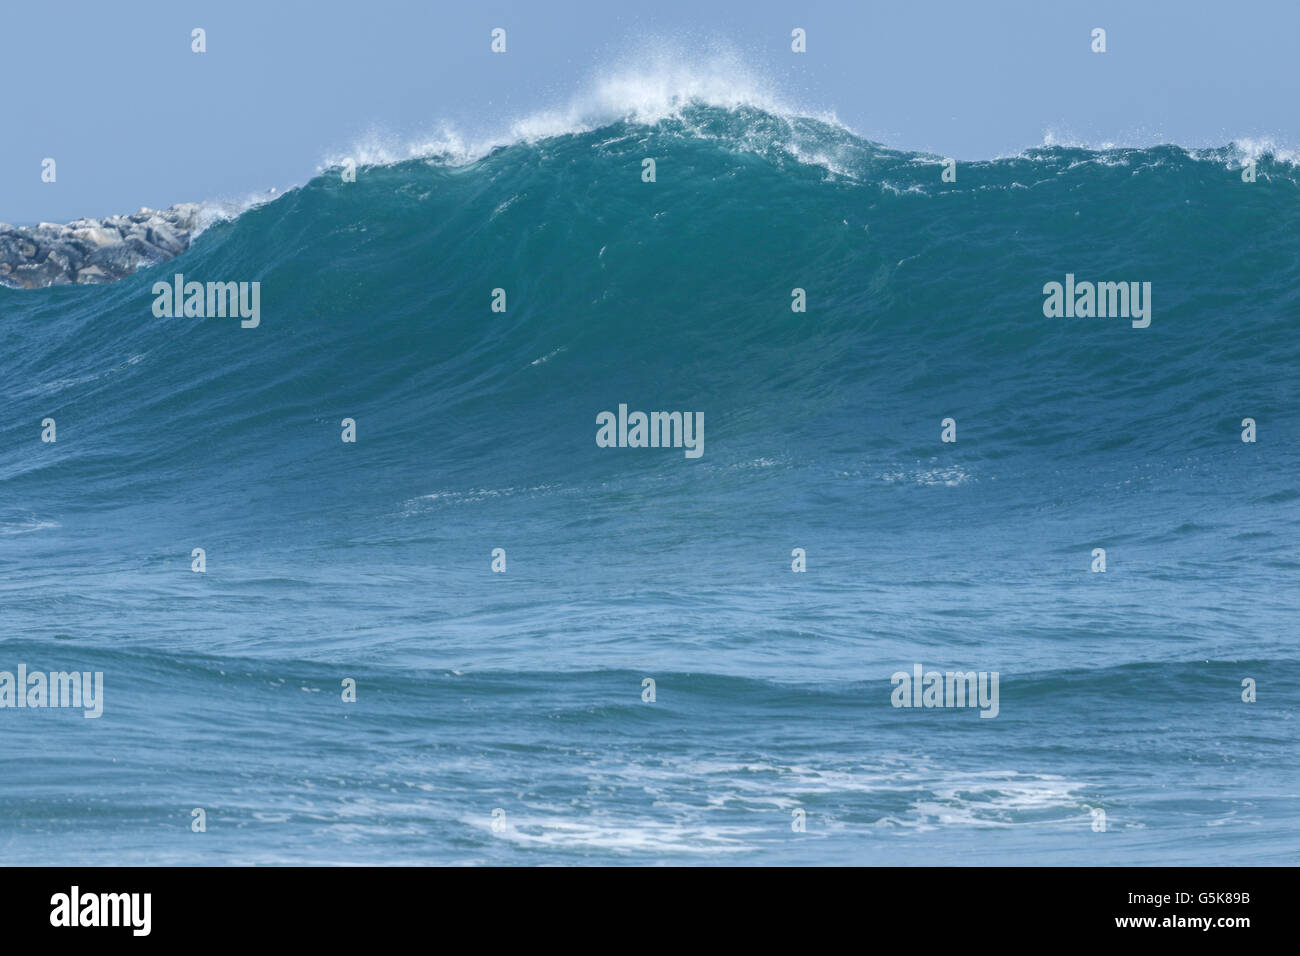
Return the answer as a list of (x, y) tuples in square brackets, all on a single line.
[(522, 691)]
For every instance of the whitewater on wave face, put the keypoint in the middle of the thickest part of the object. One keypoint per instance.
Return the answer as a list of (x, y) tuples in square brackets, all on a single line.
[(660, 85)]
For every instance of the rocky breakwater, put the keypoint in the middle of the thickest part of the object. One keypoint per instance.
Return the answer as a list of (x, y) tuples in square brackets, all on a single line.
[(93, 250)]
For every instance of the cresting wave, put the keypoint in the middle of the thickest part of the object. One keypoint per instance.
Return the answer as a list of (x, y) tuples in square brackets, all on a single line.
[(747, 204), (671, 92), (667, 97)]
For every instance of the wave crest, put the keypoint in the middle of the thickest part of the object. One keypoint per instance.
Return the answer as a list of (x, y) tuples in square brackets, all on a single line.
[(661, 87)]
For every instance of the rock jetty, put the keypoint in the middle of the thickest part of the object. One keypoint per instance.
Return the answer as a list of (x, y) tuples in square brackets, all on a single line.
[(93, 250)]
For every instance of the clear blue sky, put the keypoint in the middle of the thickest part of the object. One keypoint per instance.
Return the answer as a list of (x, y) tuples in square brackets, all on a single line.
[(112, 91)]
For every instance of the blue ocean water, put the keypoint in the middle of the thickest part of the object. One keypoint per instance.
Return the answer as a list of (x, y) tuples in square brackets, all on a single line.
[(522, 691)]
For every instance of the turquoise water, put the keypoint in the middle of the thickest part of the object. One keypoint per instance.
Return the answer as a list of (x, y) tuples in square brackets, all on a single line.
[(522, 691)]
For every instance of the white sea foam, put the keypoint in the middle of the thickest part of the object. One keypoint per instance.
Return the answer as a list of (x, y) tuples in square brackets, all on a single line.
[(690, 795), (922, 474), (1238, 149), (618, 834), (658, 85), (26, 527), (1255, 148), (222, 210), (471, 496)]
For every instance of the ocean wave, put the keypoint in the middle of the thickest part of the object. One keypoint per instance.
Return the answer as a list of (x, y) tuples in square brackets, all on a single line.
[(641, 107)]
